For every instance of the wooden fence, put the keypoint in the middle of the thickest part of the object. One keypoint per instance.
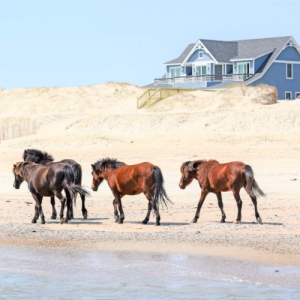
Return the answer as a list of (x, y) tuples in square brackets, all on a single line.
[(11, 131)]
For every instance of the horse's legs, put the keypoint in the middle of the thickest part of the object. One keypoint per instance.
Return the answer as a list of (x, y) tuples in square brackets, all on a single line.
[(202, 198), (63, 201), (239, 203), (38, 209), (83, 209), (254, 201), (117, 217), (149, 197), (36, 213), (69, 214), (122, 216), (54, 213), (220, 202), (41, 212)]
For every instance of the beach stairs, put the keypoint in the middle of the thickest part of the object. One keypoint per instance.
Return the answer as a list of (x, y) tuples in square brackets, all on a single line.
[(152, 95)]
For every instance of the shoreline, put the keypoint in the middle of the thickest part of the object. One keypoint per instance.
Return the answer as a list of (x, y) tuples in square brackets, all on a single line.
[(198, 266)]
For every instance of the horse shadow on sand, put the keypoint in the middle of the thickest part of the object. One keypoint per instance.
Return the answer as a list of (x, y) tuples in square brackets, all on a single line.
[(162, 223), (252, 223), (78, 221)]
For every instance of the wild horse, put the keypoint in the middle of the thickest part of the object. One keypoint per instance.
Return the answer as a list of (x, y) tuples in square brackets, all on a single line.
[(47, 182), (214, 177), (131, 180), (46, 159)]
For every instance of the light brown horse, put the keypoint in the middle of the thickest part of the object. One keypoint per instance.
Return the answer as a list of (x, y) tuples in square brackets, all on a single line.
[(131, 180), (214, 177)]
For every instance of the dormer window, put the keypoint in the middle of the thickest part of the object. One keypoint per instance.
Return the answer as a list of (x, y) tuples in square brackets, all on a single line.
[(201, 54)]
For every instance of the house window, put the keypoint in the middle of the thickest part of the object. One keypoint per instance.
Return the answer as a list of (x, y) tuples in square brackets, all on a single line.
[(175, 72), (201, 70), (244, 68), (289, 71), (297, 95), (201, 54), (288, 96)]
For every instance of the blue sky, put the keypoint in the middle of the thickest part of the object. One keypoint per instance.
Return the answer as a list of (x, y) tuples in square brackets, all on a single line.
[(72, 42)]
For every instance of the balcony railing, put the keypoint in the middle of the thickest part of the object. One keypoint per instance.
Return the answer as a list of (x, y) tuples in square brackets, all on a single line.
[(203, 78)]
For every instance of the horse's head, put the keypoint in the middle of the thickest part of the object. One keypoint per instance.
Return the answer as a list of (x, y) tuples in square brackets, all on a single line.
[(188, 172), (18, 173), (97, 178)]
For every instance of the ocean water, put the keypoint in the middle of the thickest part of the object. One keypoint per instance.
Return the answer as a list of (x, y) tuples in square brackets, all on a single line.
[(43, 273)]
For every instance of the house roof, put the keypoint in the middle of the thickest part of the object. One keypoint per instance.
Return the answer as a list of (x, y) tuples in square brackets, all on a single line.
[(182, 56), (256, 47), (226, 51), (222, 51)]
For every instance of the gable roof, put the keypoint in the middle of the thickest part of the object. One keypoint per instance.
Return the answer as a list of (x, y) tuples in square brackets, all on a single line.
[(279, 44), (222, 51)]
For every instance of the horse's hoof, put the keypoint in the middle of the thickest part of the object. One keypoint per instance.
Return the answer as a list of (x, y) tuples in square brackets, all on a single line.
[(144, 222), (120, 221), (194, 220), (85, 216), (43, 222), (117, 219), (222, 221), (237, 221), (33, 221), (157, 224), (53, 217), (62, 221), (259, 220)]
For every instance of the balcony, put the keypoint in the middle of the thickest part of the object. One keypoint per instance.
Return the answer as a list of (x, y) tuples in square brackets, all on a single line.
[(202, 78)]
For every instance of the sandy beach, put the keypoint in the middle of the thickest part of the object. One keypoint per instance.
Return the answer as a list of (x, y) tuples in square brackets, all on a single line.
[(87, 124)]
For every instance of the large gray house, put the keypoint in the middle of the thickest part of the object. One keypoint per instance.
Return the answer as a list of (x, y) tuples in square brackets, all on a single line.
[(209, 64)]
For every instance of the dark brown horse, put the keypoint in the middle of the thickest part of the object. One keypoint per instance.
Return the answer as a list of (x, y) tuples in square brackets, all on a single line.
[(46, 159), (131, 180), (47, 182), (214, 177)]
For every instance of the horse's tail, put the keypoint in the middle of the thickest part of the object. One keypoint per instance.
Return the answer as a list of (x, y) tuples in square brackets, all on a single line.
[(160, 195), (251, 185), (78, 176), (70, 183), (78, 173)]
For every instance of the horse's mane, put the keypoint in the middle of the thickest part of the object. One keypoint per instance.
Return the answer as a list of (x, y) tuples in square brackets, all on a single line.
[(108, 163), (36, 156)]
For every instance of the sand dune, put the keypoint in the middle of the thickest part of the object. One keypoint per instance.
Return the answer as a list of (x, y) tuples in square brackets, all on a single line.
[(104, 114)]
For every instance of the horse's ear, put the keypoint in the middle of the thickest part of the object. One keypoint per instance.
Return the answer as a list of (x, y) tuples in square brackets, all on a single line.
[(93, 167), (25, 151), (14, 166)]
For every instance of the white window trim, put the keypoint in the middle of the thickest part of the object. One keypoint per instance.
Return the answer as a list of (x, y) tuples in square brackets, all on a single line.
[(246, 63), (296, 94), (201, 52), (286, 74), (291, 95)]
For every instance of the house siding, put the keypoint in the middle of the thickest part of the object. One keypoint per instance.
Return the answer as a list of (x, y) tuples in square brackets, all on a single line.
[(195, 57), (259, 61), (276, 76), (289, 53)]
